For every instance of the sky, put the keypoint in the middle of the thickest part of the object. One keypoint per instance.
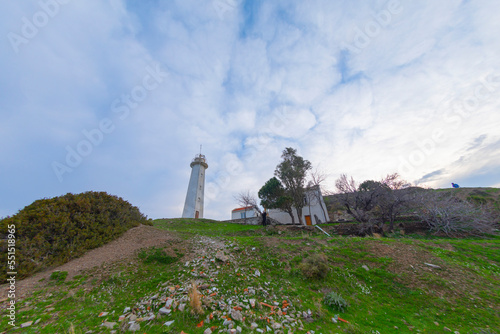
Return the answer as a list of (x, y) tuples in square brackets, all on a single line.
[(118, 96)]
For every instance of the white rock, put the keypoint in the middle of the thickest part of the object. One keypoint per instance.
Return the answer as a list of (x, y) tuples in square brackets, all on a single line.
[(165, 310), (252, 302), (109, 325), (182, 307), (168, 323), (257, 273), (207, 331), (127, 309), (236, 315), (365, 267), (253, 325), (26, 324), (168, 303), (134, 327)]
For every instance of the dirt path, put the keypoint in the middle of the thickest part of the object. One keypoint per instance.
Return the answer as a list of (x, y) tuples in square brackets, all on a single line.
[(120, 249)]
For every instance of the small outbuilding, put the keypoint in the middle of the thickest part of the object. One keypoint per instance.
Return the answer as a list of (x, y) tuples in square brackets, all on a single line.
[(245, 212)]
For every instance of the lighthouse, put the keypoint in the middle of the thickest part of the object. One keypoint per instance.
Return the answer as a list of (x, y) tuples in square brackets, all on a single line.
[(193, 206)]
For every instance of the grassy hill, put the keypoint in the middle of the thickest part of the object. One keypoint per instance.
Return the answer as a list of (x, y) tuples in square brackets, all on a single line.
[(396, 284)]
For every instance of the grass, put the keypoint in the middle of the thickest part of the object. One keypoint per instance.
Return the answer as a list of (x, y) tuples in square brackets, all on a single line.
[(384, 281)]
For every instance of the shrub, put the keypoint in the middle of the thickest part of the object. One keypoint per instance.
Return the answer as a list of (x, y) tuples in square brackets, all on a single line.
[(335, 301), (50, 232), (315, 266)]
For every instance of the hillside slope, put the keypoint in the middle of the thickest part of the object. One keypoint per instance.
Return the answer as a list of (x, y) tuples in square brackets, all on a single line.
[(251, 277)]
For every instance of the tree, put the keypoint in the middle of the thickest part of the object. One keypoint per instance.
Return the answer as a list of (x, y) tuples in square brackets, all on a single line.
[(291, 171), (359, 201), (449, 214), (246, 200), (375, 202), (274, 196), (395, 195), (316, 184)]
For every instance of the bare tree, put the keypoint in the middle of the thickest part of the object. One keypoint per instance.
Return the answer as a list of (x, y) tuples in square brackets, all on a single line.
[(449, 214), (315, 185), (394, 197), (247, 200), (358, 201)]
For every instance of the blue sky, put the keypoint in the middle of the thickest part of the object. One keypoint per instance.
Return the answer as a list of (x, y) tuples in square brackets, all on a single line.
[(117, 96)]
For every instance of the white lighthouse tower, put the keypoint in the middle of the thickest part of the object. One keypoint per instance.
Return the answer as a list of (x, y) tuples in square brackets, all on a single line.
[(193, 207)]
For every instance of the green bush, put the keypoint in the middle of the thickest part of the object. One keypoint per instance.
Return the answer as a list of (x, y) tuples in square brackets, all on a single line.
[(50, 232), (315, 266), (335, 301)]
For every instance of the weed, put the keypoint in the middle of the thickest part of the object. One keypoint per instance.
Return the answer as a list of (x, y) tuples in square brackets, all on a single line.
[(315, 266), (336, 301), (194, 299), (59, 276)]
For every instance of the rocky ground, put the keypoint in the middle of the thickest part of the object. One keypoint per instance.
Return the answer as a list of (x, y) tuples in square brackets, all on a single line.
[(228, 308)]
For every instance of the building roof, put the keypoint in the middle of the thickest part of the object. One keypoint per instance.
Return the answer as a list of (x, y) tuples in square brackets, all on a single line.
[(244, 208)]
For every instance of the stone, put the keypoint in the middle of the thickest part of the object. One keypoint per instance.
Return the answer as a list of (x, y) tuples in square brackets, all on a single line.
[(233, 331), (103, 314), (126, 310), (365, 267), (109, 324), (164, 310), (253, 325), (447, 329), (257, 273), (133, 317), (26, 324), (168, 323), (168, 303), (334, 320), (37, 321), (134, 327), (252, 303), (260, 330), (276, 326), (182, 307), (432, 265), (207, 331), (221, 257), (238, 329), (236, 315)]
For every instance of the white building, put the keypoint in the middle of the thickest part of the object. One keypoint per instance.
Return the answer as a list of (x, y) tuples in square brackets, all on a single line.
[(241, 213), (193, 206), (313, 212)]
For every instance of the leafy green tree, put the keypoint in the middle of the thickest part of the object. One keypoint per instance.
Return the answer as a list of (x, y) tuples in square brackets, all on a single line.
[(274, 196), (291, 171)]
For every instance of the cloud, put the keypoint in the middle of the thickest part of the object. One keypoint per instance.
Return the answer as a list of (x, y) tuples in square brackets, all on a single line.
[(363, 89)]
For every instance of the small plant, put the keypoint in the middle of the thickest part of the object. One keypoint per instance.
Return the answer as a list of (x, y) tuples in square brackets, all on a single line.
[(315, 266), (58, 276), (194, 299), (335, 301), (157, 255)]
